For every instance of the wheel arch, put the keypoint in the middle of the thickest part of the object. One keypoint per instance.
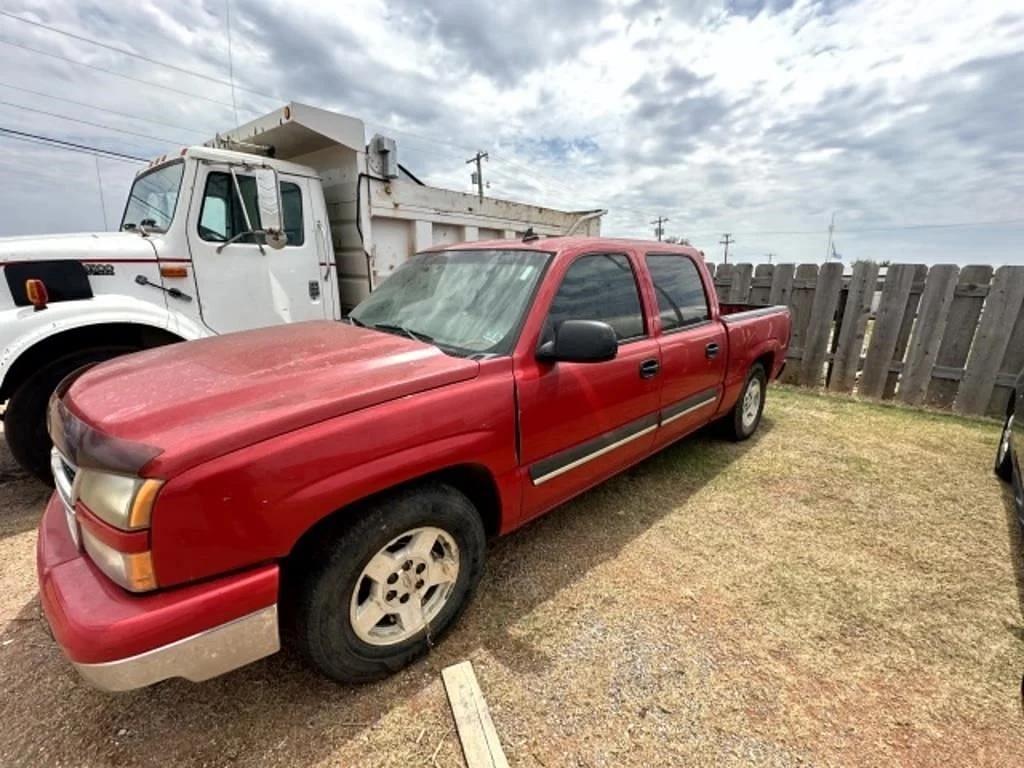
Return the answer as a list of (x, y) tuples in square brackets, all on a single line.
[(767, 360), (473, 480), (80, 338)]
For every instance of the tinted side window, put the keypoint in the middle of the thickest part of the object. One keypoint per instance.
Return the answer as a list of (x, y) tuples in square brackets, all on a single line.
[(681, 299), (221, 217), (600, 287)]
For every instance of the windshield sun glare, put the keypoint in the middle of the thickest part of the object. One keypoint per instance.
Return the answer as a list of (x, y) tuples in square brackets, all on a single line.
[(472, 301)]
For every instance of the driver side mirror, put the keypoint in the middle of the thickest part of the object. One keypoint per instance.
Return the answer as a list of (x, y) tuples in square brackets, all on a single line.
[(268, 200), (580, 341)]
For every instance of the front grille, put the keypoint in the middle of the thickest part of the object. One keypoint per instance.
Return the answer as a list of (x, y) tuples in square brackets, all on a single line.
[(64, 473), (70, 471)]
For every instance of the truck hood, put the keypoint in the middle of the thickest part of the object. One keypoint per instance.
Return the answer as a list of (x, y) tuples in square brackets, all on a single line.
[(195, 401), (88, 246)]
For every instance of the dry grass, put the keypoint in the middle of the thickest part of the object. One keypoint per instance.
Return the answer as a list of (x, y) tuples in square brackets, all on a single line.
[(841, 590)]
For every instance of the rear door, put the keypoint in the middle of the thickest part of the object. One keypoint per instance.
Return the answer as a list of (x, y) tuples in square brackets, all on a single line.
[(581, 422), (692, 345), (241, 286)]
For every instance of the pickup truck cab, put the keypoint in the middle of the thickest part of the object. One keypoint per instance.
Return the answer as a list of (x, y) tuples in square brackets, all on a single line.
[(335, 482)]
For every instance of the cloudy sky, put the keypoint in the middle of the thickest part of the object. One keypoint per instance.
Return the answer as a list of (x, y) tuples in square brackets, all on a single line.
[(762, 119)]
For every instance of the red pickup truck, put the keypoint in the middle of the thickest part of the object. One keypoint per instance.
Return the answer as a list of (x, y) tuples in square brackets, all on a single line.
[(335, 483)]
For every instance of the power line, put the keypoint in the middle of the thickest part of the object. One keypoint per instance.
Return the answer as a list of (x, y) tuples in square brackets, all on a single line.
[(132, 54), (69, 145), (89, 122), (228, 83), (659, 228), (104, 109), (115, 74)]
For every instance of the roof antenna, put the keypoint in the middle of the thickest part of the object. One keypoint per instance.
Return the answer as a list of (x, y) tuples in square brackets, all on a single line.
[(529, 236)]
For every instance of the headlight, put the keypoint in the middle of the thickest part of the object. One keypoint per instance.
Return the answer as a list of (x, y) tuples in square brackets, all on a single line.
[(132, 570), (123, 501)]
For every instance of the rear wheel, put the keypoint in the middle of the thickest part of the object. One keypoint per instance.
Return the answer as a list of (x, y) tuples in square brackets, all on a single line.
[(378, 593), (1004, 454), (25, 418), (746, 414)]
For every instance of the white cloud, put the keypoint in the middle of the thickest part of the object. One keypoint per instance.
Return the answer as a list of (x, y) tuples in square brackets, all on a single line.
[(746, 117)]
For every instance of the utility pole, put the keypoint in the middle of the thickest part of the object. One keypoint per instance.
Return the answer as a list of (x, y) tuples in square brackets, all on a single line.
[(726, 239), (659, 229), (478, 177), (770, 257)]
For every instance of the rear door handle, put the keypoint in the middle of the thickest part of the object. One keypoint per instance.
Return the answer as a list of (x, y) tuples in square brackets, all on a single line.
[(711, 350), (649, 368)]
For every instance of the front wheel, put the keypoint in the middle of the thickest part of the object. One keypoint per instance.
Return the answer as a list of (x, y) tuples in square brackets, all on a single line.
[(1004, 454), (25, 418), (746, 414), (378, 594)]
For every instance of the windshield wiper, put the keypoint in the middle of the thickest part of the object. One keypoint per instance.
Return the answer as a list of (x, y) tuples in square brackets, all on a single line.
[(355, 321), (414, 335)]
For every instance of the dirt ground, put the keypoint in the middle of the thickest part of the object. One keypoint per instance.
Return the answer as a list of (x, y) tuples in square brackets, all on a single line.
[(841, 590)]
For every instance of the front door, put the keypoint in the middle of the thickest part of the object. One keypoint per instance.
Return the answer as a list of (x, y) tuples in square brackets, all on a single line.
[(242, 286), (582, 422)]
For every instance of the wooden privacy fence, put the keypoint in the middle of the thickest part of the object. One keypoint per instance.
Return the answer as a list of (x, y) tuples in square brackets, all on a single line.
[(943, 336)]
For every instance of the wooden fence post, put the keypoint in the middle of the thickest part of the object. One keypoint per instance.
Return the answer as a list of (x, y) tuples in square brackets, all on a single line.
[(968, 298), (800, 300), (1002, 307), (932, 315), (723, 281), (739, 290), (760, 287), (782, 284), (855, 320), (1013, 364), (819, 326), (903, 338), (888, 324)]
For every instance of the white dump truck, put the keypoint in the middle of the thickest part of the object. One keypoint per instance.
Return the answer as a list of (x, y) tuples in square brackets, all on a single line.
[(291, 217)]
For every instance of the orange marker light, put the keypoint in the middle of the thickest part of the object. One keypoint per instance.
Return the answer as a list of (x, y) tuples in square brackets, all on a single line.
[(35, 290), (173, 272)]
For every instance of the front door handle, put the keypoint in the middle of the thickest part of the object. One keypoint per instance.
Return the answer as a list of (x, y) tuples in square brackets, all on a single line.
[(649, 368), (711, 350)]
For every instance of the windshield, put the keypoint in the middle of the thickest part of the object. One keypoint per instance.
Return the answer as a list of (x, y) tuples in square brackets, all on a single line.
[(469, 301), (153, 198)]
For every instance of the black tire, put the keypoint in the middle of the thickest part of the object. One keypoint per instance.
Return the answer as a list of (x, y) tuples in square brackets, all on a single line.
[(736, 427), (25, 418), (323, 578), (1004, 456)]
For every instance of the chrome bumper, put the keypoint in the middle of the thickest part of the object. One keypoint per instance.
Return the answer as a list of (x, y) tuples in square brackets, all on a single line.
[(196, 658)]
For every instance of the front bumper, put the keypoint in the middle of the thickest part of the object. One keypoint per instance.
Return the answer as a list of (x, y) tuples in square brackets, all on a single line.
[(119, 641)]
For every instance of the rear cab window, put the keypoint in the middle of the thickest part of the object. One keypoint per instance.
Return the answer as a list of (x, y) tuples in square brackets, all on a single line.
[(600, 286), (682, 301)]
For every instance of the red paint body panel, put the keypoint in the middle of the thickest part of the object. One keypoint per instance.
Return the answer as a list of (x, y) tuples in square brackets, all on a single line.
[(265, 433), (94, 620), (216, 395), (123, 541), (252, 504)]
